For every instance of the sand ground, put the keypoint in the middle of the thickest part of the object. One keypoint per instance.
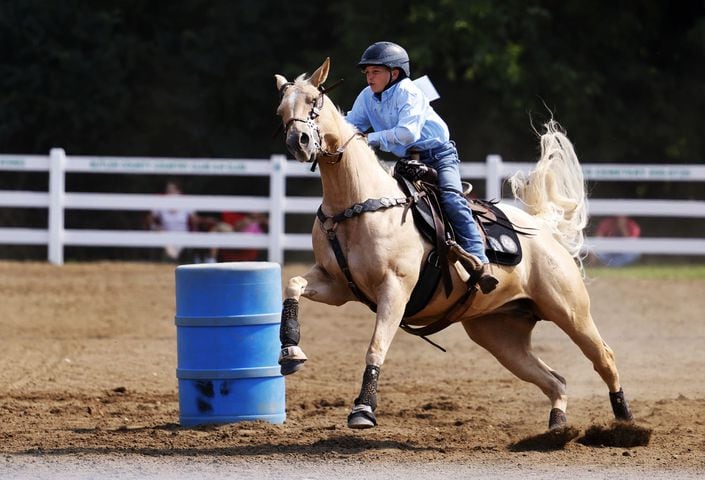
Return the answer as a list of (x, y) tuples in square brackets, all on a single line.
[(88, 388)]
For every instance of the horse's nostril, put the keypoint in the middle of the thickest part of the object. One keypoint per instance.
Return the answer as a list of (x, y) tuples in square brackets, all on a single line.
[(303, 139)]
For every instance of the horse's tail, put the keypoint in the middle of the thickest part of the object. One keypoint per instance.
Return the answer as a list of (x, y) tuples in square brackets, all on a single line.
[(555, 190)]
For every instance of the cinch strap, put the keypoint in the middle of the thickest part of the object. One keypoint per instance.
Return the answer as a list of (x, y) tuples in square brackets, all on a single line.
[(369, 205)]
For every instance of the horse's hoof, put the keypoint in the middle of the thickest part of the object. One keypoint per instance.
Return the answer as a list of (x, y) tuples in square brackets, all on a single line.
[(362, 417), (291, 366), (557, 419)]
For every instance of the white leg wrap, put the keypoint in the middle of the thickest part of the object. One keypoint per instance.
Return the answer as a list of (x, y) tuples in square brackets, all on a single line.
[(292, 353)]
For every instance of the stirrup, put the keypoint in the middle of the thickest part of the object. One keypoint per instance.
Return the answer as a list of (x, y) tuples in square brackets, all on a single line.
[(475, 268)]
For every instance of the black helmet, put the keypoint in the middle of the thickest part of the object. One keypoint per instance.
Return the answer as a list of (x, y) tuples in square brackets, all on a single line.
[(387, 54)]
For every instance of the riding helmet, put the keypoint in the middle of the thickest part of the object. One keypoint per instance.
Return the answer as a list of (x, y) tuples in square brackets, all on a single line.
[(387, 54)]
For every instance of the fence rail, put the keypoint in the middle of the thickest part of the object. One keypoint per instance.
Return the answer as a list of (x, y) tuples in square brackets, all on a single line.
[(277, 204)]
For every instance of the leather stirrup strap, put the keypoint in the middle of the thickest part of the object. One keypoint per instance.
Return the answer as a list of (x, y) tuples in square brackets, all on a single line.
[(441, 245)]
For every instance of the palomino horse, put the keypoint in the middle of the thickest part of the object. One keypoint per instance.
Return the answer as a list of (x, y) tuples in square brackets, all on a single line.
[(382, 252)]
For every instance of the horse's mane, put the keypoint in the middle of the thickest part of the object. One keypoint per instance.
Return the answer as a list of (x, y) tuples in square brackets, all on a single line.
[(555, 190), (347, 129), (355, 148)]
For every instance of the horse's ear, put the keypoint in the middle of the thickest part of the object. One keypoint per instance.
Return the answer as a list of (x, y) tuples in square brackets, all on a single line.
[(319, 76), (280, 81)]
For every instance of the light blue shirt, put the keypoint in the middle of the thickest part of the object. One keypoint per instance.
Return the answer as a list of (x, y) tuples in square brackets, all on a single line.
[(402, 120)]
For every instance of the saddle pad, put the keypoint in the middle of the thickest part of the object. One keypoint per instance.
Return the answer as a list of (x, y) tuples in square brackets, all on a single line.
[(503, 246)]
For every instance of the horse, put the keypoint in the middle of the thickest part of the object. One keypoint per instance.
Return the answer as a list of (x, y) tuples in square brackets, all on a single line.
[(374, 254)]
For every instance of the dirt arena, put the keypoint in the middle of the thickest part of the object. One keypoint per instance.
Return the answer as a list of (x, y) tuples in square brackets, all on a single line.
[(87, 377)]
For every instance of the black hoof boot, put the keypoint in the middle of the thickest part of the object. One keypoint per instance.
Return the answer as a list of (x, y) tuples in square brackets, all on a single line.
[(291, 358), (620, 407), (557, 419)]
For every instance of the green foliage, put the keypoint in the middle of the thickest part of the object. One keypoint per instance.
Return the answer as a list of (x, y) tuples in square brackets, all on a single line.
[(195, 77)]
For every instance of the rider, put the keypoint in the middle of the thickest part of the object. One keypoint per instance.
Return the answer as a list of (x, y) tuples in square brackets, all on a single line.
[(405, 124)]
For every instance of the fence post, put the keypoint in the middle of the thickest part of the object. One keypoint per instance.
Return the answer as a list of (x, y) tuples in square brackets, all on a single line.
[(57, 167), (277, 193), (493, 181)]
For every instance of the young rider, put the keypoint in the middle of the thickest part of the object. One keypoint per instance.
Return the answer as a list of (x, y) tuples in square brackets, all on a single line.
[(404, 123)]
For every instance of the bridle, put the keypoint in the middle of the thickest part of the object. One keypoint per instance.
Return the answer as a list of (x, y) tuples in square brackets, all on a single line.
[(311, 122)]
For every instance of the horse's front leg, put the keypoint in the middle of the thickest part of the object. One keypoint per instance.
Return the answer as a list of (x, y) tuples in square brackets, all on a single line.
[(390, 309), (317, 285)]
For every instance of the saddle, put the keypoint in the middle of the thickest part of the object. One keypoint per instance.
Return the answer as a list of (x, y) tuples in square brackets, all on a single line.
[(419, 182)]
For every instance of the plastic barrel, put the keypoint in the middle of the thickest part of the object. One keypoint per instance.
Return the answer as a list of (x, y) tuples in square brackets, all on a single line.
[(227, 335)]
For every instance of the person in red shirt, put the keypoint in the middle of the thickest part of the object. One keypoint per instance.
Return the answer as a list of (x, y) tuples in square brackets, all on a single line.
[(244, 223), (618, 226)]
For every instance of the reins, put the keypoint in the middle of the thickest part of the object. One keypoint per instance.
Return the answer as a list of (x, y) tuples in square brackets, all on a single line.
[(339, 152)]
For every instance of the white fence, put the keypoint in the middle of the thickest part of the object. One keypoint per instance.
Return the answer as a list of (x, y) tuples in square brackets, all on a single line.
[(277, 204)]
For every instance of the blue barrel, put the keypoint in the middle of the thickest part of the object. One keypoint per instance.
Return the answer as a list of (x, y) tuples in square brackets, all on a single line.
[(227, 336)]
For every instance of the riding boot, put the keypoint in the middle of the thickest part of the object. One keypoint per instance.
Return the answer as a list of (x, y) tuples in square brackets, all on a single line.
[(475, 268), (487, 282)]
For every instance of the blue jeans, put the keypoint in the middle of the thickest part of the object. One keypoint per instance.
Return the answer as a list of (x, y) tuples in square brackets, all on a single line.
[(444, 160), (618, 259)]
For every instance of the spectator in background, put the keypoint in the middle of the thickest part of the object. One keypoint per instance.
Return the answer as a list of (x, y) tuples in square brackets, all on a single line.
[(173, 220), (254, 223), (618, 226)]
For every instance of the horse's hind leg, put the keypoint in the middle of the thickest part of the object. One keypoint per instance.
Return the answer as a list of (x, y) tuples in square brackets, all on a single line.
[(576, 321), (316, 285), (585, 334), (508, 338)]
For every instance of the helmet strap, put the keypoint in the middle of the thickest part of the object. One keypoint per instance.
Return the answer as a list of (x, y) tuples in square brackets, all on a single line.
[(391, 82)]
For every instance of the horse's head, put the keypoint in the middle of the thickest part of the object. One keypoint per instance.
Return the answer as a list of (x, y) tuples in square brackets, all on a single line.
[(303, 113)]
